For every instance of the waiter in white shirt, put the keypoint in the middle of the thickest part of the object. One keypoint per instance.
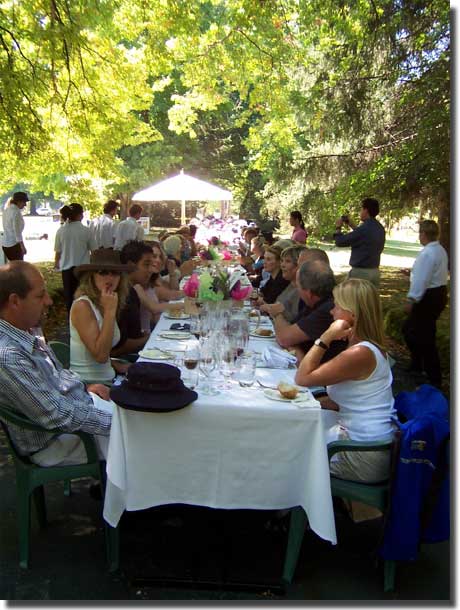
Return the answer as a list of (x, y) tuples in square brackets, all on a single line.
[(13, 226), (72, 246), (129, 229), (426, 299), (103, 227)]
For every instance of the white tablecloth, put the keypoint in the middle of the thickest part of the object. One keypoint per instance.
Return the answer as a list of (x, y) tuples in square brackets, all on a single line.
[(234, 450)]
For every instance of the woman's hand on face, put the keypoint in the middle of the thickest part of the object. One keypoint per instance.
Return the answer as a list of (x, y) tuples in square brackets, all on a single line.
[(109, 300), (339, 329), (171, 266)]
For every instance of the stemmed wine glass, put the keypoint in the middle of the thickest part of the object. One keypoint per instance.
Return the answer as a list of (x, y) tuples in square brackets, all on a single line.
[(190, 363), (207, 365), (227, 361)]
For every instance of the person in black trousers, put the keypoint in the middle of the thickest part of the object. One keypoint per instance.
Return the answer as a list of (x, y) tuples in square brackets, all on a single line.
[(426, 299)]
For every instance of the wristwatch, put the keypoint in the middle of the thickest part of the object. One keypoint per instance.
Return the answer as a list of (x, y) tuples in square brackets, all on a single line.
[(321, 344)]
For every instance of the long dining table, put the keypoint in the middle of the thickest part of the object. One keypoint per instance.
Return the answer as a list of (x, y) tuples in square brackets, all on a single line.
[(234, 450)]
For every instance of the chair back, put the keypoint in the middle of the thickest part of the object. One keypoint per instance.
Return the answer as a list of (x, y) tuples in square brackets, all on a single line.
[(62, 351)]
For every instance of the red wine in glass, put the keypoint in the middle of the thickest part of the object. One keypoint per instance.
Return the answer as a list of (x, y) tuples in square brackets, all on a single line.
[(190, 363)]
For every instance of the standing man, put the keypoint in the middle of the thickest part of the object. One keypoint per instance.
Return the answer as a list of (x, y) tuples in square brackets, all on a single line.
[(13, 226), (72, 246), (366, 240), (129, 229), (426, 299), (103, 227)]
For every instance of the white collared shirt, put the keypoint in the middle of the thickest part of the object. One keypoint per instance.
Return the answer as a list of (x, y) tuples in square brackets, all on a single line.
[(428, 271), (13, 225), (126, 231), (74, 242), (103, 229)]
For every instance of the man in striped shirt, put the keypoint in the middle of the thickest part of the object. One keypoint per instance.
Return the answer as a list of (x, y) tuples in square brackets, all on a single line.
[(33, 382)]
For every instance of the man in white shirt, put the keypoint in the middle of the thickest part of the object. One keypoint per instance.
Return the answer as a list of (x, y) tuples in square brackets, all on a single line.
[(129, 229), (426, 299), (103, 227), (72, 246), (13, 226)]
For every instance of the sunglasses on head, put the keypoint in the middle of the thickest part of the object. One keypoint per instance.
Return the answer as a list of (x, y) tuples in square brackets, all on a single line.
[(107, 272)]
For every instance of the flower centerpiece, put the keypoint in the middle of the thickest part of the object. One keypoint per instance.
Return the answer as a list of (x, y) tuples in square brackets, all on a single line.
[(217, 285)]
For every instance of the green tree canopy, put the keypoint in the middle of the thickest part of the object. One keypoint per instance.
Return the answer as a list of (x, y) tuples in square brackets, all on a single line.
[(299, 104)]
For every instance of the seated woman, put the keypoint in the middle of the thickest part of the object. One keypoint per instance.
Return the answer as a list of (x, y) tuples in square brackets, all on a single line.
[(358, 380), (270, 289), (93, 316), (290, 297), (156, 293)]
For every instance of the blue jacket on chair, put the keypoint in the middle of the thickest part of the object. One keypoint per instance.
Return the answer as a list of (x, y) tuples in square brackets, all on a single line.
[(419, 509)]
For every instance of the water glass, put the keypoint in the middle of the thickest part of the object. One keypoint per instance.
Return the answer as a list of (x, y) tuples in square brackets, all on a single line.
[(246, 369)]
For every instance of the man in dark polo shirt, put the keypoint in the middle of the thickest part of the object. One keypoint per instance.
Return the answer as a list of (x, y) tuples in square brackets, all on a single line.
[(366, 240), (132, 338), (315, 282)]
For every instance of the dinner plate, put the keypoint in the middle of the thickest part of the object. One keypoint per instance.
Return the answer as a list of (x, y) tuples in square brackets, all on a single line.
[(181, 316), (301, 400), (175, 334), (254, 334), (156, 354)]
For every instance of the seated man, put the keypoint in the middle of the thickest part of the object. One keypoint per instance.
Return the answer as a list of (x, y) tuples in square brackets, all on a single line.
[(33, 382), (132, 337), (315, 282)]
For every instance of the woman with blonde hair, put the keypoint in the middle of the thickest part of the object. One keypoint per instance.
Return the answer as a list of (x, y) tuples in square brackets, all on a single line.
[(358, 380), (94, 330)]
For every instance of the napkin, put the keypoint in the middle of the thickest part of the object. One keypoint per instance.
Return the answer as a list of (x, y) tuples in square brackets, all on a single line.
[(276, 358), (179, 326)]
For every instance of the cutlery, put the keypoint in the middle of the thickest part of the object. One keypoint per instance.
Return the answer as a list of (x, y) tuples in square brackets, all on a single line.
[(274, 387)]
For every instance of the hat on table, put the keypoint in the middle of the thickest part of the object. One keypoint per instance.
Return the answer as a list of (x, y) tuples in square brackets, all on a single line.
[(155, 387), (104, 259)]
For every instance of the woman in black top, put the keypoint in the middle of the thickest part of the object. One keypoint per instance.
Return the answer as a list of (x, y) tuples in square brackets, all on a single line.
[(276, 283)]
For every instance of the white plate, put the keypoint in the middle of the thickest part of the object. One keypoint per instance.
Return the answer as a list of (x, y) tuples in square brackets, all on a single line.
[(254, 334), (175, 334), (301, 400), (156, 354), (182, 316)]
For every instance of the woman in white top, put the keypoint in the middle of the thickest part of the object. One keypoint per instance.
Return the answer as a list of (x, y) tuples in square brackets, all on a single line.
[(13, 226), (358, 380), (93, 317)]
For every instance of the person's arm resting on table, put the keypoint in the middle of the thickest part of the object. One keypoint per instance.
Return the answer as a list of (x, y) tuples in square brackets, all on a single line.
[(287, 334), (354, 363), (46, 405)]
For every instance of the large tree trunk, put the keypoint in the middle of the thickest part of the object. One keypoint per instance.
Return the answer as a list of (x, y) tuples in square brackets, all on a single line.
[(125, 202)]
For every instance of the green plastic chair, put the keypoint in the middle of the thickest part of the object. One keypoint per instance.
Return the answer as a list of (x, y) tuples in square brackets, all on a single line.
[(30, 479), (62, 351), (373, 494)]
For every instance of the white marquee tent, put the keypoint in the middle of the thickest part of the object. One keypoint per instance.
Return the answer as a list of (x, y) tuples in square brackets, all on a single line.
[(183, 188)]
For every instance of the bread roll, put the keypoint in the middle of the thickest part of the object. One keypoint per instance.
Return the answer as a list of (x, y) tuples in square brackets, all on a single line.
[(286, 390), (263, 332)]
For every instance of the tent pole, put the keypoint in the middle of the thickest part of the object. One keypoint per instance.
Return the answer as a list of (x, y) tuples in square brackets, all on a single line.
[(182, 213)]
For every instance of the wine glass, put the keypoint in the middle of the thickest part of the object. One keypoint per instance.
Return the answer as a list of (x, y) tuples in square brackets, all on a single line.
[(227, 361), (207, 365), (190, 366), (195, 326)]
